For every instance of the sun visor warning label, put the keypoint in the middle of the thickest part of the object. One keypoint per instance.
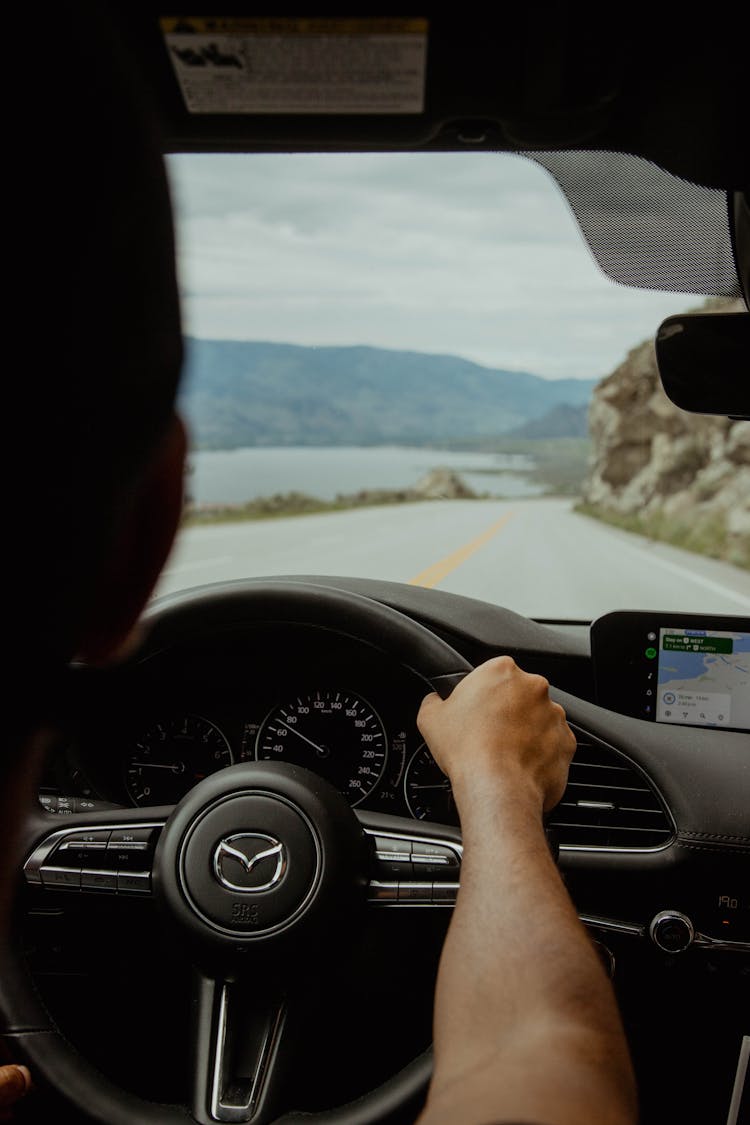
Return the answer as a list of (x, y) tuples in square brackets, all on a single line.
[(315, 66)]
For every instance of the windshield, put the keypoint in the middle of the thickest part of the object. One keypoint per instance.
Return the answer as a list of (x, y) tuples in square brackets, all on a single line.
[(409, 367)]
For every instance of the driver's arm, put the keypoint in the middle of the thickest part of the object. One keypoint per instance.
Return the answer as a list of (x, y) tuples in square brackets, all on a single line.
[(526, 1022)]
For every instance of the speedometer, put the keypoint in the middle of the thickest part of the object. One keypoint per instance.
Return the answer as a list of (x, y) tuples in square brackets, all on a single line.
[(337, 734)]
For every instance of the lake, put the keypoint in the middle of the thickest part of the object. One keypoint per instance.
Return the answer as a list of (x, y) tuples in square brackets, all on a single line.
[(233, 476)]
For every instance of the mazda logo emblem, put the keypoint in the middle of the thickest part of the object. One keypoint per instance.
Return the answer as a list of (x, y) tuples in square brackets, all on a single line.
[(249, 862)]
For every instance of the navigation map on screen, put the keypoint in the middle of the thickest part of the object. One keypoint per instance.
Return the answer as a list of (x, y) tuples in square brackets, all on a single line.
[(704, 678)]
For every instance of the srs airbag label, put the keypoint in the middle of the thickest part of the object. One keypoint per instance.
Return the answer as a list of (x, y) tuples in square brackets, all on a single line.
[(704, 678), (317, 66)]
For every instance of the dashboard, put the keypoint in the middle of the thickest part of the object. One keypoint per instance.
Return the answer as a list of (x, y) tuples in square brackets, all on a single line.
[(653, 832), (215, 686), (291, 694), (327, 702)]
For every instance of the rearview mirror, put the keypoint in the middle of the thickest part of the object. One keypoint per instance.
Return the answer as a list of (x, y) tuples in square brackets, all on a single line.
[(704, 362)]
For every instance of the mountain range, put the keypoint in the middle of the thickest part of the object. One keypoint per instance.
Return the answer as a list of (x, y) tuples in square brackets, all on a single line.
[(246, 393)]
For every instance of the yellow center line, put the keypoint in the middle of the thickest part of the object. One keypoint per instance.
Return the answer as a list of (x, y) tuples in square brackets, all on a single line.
[(440, 570)]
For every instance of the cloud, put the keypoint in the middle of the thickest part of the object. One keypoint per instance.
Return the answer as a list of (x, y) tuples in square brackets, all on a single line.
[(475, 255)]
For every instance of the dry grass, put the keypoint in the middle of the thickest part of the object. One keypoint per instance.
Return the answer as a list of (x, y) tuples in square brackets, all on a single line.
[(703, 534)]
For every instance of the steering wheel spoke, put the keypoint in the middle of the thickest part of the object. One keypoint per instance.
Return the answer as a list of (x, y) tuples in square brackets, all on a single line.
[(93, 855), (241, 1035), (412, 862)]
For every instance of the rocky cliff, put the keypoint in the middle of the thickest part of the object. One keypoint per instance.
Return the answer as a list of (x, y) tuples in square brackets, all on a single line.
[(675, 476)]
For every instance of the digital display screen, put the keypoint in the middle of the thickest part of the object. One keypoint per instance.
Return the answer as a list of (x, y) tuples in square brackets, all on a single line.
[(688, 669), (703, 677)]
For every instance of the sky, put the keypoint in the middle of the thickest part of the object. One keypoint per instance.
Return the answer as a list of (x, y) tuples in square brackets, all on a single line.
[(468, 254)]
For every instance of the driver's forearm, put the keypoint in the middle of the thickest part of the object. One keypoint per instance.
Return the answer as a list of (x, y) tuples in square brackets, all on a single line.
[(526, 1023)]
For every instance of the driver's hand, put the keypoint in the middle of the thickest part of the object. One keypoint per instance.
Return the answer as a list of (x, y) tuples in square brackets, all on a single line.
[(499, 727), (14, 1082)]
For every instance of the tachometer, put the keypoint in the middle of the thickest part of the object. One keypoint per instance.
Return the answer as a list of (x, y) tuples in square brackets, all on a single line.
[(427, 790), (173, 756), (336, 734)]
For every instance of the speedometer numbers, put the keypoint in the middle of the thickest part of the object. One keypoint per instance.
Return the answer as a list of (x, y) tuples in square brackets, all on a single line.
[(427, 790), (336, 734), (173, 756)]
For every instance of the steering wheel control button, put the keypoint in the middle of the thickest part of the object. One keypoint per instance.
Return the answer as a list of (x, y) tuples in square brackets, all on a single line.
[(134, 882), (98, 880), (444, 894), (250, 863), (82, 849), (412, 893), (386, 845), (85, 859), (424, 850), (434, 861), (130, 850), (95, 840), (131, 839), (393, 866), (392, 859), (411, 871), (415, 893), (61, 877), (123, 859), (383, 892), (404, 859), (672, 931)]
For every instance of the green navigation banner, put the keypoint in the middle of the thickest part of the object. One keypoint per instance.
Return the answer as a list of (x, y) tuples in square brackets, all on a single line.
[(681, 643)]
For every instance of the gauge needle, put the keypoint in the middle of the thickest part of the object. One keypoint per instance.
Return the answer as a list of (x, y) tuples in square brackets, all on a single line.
[(176, 767), (439, 785), (319, 750)]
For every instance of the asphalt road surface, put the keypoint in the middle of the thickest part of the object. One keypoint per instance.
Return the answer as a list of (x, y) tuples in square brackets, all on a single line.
[(537, 557)]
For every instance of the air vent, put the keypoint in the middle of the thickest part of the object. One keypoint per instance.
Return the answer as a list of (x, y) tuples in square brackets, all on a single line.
[(609, 802)]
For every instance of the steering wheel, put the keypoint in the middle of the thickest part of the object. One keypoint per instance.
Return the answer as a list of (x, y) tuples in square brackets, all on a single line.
[(255, 862)]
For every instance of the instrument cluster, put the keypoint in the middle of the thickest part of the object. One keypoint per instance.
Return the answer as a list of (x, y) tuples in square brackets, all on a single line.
[(171, 721)]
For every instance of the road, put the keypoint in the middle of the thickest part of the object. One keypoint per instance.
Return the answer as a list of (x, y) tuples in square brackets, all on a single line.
[(537, 557)]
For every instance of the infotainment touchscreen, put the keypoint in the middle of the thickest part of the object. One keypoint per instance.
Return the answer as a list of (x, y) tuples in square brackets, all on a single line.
[(703, 677), (688, 669)]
